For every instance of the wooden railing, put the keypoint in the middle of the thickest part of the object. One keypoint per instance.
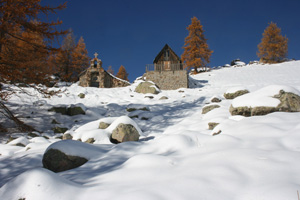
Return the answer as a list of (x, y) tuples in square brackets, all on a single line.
[(165, 67)]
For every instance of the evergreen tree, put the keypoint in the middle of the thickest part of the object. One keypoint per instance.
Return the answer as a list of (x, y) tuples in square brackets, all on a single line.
[(18, 34), (110, 70), (196, 52), (122, 74), (81, 59), (71, 59), (273, 47)]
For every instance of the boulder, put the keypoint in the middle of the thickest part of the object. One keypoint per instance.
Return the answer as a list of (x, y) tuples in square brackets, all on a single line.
[(75, 110), (289, 102), (81, 96), (147, 87), (163, 98), (59, 129), (57, 161), (90, 141), (67, 136), (124, 133), (212, 125), (206, 109), (215, 100), (71, 111), (235, 94), (103, 125)]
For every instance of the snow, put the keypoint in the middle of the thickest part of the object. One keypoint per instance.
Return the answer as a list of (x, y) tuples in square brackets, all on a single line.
[(176, 157), (263, 97), (235, 89)]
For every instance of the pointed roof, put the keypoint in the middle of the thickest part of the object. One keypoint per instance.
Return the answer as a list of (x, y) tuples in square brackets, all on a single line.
[(162, 51)]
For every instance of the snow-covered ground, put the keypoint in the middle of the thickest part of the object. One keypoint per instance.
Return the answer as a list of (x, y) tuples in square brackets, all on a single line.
[(176, 157)]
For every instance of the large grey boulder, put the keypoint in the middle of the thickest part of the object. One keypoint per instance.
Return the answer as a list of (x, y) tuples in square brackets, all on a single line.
[(71, 110), (103, 125), (235, 94), (147, 87), (124, 133), (289, 102), (57, 161)]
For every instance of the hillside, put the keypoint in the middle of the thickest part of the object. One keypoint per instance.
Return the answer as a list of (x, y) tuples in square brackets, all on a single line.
[(177, 157)]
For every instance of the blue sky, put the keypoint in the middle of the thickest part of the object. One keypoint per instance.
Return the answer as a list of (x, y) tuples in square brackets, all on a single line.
[(132, 32)]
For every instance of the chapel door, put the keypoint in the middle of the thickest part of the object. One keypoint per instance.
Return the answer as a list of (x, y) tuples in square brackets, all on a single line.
[(94, 80), (167, 65)]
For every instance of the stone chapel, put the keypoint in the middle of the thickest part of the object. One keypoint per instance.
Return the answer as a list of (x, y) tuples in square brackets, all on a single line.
[(96, 76)]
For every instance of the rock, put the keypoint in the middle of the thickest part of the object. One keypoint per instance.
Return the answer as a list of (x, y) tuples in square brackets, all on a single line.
[(212, 125), (163, 98), (147, 87), (289, 102), (54, 122), (235, 94), (244, 111), (90, 141), (33, 134), (67, 136), (215, 100), (71, 111), (131, 109), (81, 96), (59, 129), (124, 133), (103, 125), (206, 109), (57, 161), (75, 110), (62, 110), (217, 133), (149, 97)]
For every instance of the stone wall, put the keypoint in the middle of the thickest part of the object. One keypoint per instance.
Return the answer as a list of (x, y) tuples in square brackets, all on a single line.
[(168, 80)]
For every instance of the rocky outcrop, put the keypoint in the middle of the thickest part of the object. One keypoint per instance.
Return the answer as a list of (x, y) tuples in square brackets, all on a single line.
[(206, 109), (146, 87), (124, 133), (289, 102), (57, 161), (212, 125), (215, 100), (71, 110), (67, 136), (235, 94)]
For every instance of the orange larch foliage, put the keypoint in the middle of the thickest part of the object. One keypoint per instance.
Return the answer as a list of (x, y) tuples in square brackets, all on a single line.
[(71, 59), (110, 70), (273, 47), (196, 52), (122, 74), (24, 41)]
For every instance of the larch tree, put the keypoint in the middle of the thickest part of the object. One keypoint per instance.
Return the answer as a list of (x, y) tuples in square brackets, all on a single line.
[(71, 59), (110, 70), (273, 47), (122, 74), (21, 29), (196, 51), (80, 58)]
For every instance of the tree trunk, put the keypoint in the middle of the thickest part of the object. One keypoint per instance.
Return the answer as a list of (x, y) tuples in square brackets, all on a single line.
[(21, 126)]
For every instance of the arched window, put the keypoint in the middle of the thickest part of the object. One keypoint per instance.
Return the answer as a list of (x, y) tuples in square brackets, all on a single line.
[(95, 63)]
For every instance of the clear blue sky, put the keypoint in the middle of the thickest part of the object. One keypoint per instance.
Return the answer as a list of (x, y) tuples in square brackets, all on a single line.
[(132, 32)]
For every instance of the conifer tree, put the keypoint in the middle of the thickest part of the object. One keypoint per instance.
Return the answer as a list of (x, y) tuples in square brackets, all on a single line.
[(71, 59), (196, 52), (110, 70), (80, 58), (18, 32), (122, 74), (273, 47)]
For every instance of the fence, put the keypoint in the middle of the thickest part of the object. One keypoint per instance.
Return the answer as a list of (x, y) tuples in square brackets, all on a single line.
[(165, 67)]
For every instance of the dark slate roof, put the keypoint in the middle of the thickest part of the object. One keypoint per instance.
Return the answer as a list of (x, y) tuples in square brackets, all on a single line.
[(162, 51)]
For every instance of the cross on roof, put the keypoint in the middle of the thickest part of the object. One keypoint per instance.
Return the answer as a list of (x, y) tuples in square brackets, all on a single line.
[(96, 54)]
